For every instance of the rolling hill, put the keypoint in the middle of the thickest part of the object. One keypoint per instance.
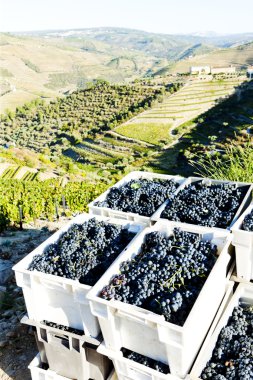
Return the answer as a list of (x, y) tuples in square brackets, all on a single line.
[(240, 56), (51, 63), (33, 67), (153, 44)]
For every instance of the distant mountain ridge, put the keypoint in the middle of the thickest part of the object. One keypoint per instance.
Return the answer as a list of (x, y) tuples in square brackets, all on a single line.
[(141, 40), (50, 63)]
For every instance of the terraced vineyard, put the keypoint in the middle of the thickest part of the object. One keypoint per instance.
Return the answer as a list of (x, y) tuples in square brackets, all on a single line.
[(86, 127), (162, 122), (79, 126), (227, 122), (8, 171), (162, 125)]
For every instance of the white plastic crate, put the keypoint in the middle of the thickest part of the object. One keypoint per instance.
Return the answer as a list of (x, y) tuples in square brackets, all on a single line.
[(245, 202), (70, 355), (37, 373), (127, 369), (105, 211), (244, 294), (147, 333), (243, 242), (58, 299)]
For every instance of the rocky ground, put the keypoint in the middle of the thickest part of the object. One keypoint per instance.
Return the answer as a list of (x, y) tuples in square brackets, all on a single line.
[(17, 342)]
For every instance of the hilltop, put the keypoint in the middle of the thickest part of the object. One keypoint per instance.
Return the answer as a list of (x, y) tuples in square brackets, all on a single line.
[(169, 46), (240, 56)]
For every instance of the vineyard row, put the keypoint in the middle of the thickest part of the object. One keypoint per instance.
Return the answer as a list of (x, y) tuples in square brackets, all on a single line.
[(28, 201)]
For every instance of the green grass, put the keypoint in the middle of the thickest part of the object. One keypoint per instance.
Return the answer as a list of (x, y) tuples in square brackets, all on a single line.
[(184, 127), (235, 165), (151, 133)]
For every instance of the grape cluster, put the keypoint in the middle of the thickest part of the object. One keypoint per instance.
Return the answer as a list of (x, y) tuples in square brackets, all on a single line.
[(232, 357), (44, 366), (248, 222), (62, 327), (205, 205), (166, 276), (148, 362), (84, 252), (142, 196)]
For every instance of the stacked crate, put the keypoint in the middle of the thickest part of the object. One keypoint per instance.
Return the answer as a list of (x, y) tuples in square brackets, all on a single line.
[(62, 301), (242, 240), (69, 303), (242, 295), (151, 335), (72, 354), (243, 243)]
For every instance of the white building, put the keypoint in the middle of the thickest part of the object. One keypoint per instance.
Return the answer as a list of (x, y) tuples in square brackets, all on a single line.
[(200, 69), (250, 72)]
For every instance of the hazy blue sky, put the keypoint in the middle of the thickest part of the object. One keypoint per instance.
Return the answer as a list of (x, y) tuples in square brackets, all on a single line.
[(165, 16)]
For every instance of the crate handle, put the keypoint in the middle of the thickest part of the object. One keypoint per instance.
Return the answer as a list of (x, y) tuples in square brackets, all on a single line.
[(118, 215), (58, 339), (135, 318), (138, 371), (51, 284)]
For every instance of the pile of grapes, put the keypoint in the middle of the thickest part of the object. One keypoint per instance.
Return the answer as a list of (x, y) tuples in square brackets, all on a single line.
[(232, 356), (248, 222), (141, 196), (148, 362), (206, 205), (166, 276), (84, 252), (62, 327)]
